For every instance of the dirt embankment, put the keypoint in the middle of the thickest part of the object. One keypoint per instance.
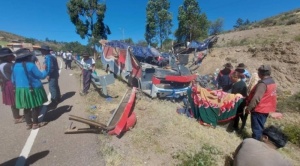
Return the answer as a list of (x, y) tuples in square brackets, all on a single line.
[(277, 46)]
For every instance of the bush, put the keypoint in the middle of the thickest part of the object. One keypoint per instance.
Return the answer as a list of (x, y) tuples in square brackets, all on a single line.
[(98, 64), (293, 133), (205, 157), (297, 38), (290, 103)]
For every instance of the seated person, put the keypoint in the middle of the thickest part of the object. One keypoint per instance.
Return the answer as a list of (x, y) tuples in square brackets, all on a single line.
[(252, 152)]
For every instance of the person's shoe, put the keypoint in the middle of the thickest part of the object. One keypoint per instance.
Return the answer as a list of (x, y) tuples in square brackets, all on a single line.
[(20, 120), (28, 126), (82, 93), (35, 126)]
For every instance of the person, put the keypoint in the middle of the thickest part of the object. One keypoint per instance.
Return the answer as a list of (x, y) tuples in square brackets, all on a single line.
[(7, 87), (52, 70), (261, 101), (30, 93), (223, 78), (252, 152), (88, 67), (64, 56), (239, 86), (241, 68), (69, 60), (34, 59)]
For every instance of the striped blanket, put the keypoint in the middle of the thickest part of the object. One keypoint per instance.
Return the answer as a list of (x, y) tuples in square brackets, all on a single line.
[(212, 106)]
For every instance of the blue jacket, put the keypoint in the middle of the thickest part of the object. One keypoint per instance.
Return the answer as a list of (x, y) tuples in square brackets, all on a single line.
[(19, 77), (51, 66)]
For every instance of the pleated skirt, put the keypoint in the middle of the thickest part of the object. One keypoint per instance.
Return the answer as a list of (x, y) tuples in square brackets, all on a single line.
[(8, 93), (26, 98)]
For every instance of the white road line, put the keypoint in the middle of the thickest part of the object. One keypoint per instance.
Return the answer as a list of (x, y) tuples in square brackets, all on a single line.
[(30, 140)]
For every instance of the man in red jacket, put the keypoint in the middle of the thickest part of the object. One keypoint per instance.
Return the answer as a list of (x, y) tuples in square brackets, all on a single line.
[(261, 101)]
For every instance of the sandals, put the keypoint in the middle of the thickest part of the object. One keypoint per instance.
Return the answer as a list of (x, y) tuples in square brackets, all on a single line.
[(20, 120), (28, 126), (36, 126)]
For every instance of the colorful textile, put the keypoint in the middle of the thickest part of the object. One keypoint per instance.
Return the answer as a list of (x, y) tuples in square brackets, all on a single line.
[(213, 106), (25, 98), (8, 93)]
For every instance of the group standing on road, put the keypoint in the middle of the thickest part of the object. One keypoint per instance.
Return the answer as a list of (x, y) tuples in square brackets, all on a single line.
[(21, 84)]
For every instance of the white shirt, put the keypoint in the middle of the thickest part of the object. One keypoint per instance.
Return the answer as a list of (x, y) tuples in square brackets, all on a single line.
[(87, 64), (68, 56)]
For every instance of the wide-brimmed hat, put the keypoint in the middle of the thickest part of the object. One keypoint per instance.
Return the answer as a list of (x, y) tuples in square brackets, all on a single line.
[(241, 66), (228, 65), (44, 47), (264, 68), (22, 53), (5, 52)]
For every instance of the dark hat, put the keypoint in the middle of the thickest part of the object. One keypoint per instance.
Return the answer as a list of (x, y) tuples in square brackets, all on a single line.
[(228, 65), (241, 66), (22, 53), (264, 68), (44, 47), (85, 54), (276, 136), (5, 52)]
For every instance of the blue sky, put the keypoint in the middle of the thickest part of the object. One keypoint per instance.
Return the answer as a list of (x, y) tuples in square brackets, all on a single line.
[(43, 19)]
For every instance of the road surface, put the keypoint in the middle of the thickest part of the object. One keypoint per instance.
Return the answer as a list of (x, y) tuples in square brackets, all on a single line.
[(48, 145)]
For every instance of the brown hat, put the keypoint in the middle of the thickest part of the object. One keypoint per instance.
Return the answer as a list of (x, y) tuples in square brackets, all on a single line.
[(241, 66), (228, 65), (264, 68)]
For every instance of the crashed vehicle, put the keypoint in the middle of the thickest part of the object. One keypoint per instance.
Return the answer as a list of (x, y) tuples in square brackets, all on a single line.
[(135, 65)]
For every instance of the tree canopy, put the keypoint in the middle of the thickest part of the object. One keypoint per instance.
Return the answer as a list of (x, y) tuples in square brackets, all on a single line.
[(192, 25), (158, 22), (216, 26), (88, 17)]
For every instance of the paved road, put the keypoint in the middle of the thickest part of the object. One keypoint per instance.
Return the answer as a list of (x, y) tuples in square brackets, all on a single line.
[(49, 145)]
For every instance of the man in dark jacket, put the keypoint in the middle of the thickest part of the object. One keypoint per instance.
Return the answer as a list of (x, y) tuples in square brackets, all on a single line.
[(223, 78), (53, 74), (261, 101)]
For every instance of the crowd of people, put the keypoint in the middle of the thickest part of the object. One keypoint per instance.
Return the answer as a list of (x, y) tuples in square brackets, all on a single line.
[(20, 78), (260, 103)]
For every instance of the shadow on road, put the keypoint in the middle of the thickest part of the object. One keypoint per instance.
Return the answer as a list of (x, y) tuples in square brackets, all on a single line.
[(21, 160), (54, 114), (67, 95)]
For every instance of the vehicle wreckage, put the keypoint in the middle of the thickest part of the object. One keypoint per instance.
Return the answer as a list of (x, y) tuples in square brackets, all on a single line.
[(136, 66)]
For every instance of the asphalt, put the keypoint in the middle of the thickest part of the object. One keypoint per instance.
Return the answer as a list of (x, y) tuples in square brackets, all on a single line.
[(49, 145)]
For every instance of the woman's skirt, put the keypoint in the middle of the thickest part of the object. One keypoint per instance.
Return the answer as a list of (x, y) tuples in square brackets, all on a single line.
[(8, 93), (26, 98)]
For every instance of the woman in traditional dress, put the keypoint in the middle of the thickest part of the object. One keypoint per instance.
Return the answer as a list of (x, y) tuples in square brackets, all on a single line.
[(30, 93), (7, 88)]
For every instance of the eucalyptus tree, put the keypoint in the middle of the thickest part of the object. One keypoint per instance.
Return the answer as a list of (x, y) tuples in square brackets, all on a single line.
[(192, 25), (158, 22), (88, 18)]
